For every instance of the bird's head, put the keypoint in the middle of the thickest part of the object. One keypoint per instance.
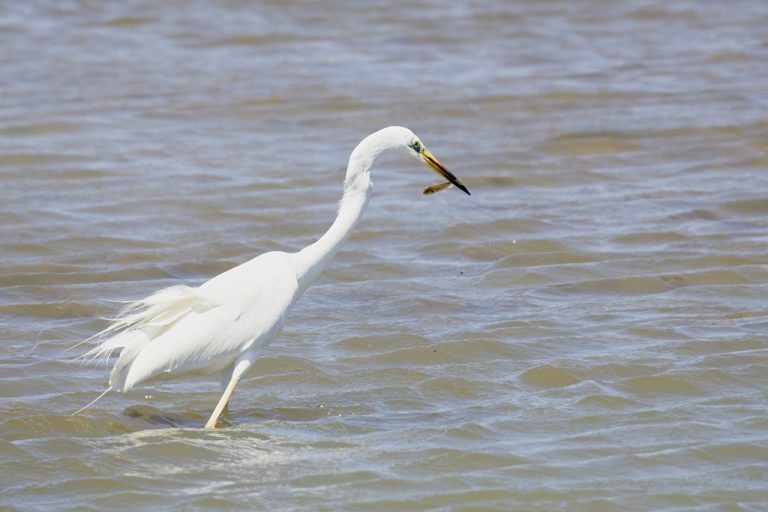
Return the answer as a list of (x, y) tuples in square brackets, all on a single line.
[(417, 149), (397, 138)]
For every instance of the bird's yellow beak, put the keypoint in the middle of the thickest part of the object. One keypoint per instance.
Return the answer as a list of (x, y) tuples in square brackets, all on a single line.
[(440, 169)]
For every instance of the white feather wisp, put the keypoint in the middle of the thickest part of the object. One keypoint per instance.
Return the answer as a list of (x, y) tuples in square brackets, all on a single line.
[(140, 322)]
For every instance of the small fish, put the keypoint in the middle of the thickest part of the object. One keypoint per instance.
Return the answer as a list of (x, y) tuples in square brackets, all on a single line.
[(432, 189)]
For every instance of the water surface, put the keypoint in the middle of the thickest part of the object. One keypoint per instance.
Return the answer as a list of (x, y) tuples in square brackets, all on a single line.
[(587, 331)]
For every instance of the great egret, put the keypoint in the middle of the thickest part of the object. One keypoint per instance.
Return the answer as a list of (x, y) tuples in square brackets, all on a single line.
[(223, 325)]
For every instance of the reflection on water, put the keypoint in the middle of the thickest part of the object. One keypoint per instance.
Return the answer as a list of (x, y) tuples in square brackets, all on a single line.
[(586, 332)]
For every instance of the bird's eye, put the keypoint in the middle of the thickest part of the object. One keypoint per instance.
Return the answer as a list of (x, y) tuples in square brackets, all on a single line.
[(416, 145)]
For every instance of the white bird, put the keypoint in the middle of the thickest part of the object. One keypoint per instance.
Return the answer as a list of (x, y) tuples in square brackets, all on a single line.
[(223, 325)]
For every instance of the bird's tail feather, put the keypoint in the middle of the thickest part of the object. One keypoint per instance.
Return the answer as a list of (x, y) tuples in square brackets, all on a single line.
[(93, 401), (153, 315), (138, 324), (160, 309)]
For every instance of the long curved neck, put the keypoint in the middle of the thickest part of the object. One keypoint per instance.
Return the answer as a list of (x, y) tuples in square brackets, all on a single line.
[(357, 189), (310, 261), (314, 258)]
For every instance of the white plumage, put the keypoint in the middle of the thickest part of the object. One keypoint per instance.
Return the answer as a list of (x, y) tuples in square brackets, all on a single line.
[(222, 326)]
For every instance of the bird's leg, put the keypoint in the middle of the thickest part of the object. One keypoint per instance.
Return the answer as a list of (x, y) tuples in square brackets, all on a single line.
[(226, 376), (240, 367), (223, 401)]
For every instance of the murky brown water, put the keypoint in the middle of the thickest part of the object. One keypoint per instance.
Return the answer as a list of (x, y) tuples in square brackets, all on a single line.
[(587, 331)]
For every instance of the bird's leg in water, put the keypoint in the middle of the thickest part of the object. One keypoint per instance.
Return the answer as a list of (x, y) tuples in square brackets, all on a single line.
[(240, 367)]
